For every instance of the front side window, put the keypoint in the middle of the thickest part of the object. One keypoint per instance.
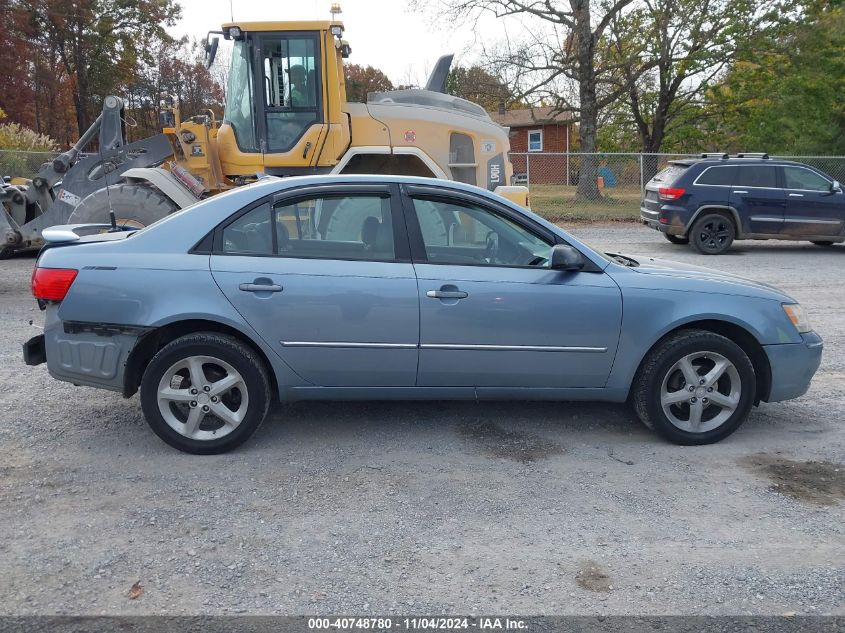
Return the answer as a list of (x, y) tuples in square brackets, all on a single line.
[(535, 141), (291, 88), (468, 234), (755, 176), (239, 98), (800, 178)]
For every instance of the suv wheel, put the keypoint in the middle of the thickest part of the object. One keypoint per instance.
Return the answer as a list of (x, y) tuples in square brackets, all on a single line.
[(676, 239), (696, 387), (823, 243), (205, 393), (712, 234)]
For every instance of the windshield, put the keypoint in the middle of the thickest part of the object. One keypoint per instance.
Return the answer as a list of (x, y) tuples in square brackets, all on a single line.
[(239, 97)]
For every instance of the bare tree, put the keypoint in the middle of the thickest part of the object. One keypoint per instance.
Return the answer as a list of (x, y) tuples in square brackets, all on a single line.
[(561, 59), (690, 43)]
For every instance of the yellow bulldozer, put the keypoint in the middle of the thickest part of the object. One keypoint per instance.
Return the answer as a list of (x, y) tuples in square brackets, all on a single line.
[(286, 114)]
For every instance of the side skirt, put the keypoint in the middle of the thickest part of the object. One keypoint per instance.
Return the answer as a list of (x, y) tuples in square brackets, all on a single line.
[(452, 393)]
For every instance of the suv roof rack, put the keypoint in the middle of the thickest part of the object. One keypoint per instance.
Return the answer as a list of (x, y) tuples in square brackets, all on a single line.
[(762, 155), (721, 155)]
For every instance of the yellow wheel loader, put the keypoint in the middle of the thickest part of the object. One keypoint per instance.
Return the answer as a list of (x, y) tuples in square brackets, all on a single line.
[(286, 114)]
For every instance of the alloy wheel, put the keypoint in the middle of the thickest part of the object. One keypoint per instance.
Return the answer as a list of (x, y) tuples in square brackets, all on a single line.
[(700, 392), (202, 397)]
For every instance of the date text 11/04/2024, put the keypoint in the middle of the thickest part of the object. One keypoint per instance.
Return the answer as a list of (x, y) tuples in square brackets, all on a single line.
[(417, 623)]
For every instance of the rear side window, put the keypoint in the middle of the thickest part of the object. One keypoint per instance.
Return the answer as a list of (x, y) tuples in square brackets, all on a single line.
[(356, 227), (669, 174), (250, 234), (341, 227), (716, 176), (755, 176)]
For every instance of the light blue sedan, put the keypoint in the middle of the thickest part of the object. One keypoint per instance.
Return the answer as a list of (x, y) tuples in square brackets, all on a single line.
[(368, 287)]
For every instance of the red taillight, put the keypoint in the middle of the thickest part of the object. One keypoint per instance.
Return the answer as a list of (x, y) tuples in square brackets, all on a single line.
[(670, 193), (52, 284)]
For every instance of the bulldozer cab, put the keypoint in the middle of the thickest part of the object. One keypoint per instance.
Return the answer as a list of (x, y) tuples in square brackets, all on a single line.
[(285, 96)]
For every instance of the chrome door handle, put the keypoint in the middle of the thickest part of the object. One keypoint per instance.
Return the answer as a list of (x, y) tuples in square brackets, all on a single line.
[(796, 195), (260, 288), (446, 294), (740, 192)]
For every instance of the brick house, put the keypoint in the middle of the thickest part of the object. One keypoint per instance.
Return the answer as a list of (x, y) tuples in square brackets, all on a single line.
[(539, 130)]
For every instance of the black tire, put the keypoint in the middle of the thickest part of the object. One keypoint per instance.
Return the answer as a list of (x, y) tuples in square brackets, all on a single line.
[(657, 367), (822, 243), (5, 252), (218, 346), (134, 205), (676, 239), (712, 234)]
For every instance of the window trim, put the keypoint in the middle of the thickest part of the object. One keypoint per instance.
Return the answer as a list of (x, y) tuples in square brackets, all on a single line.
[(401, 245), (451, 196), (783, 169), (528, 139)]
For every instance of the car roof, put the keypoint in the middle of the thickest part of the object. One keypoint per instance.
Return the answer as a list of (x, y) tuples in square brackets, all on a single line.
[(733, 160)]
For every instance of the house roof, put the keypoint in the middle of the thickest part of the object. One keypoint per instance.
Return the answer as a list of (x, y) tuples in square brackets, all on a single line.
[(525, 117)]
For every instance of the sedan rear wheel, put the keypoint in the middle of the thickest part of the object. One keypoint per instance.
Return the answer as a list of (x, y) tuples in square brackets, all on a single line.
[(712, 234), (205, 393), (695, 387)]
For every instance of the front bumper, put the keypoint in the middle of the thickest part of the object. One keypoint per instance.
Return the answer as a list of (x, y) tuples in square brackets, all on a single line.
[(793, 366)]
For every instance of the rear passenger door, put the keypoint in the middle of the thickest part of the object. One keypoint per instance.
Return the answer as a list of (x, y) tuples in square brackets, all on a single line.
[(812, 208), (758, 199), (325, 278)]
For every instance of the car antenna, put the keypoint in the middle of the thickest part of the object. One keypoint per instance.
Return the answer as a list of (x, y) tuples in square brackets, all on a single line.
[(112, 217)]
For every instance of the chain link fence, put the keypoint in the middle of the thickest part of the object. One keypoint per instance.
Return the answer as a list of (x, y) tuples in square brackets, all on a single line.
[(19, 164), (553, 179)]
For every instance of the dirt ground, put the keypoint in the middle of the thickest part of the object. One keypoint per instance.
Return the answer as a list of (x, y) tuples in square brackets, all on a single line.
[(514, 508)]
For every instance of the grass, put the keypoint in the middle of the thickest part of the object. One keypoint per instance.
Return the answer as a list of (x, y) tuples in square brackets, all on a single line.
[(557, 203)]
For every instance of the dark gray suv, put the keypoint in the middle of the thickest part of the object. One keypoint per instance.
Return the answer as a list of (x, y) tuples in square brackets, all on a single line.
[(710, 201)]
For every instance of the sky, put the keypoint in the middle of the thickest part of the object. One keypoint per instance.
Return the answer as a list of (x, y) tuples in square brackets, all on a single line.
[(382, 33)]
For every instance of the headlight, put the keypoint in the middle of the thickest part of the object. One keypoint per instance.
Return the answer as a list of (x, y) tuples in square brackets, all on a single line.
[(798, 316)]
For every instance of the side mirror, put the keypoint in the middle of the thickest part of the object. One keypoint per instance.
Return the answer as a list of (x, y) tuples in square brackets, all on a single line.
[(835, 187), (211, 51), (565, 257)]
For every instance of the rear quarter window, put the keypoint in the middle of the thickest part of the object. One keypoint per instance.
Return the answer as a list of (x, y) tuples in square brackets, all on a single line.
[(716, 176)]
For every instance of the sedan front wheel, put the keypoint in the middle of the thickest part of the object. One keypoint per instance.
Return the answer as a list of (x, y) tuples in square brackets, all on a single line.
[(205, 393), (695, 387)]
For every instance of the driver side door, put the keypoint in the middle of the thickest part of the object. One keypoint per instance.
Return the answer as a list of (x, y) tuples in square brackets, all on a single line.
[(492, 312)]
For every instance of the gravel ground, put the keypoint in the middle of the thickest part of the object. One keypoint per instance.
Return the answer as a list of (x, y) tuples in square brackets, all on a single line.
[(429, 507)]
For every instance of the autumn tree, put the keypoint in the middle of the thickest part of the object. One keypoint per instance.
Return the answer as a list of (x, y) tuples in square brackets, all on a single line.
[(176, 69), (785, 94), (98, 43), (361, 80), (475, 84)]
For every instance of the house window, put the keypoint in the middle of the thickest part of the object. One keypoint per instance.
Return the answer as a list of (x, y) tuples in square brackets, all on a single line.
[(535, 140)]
